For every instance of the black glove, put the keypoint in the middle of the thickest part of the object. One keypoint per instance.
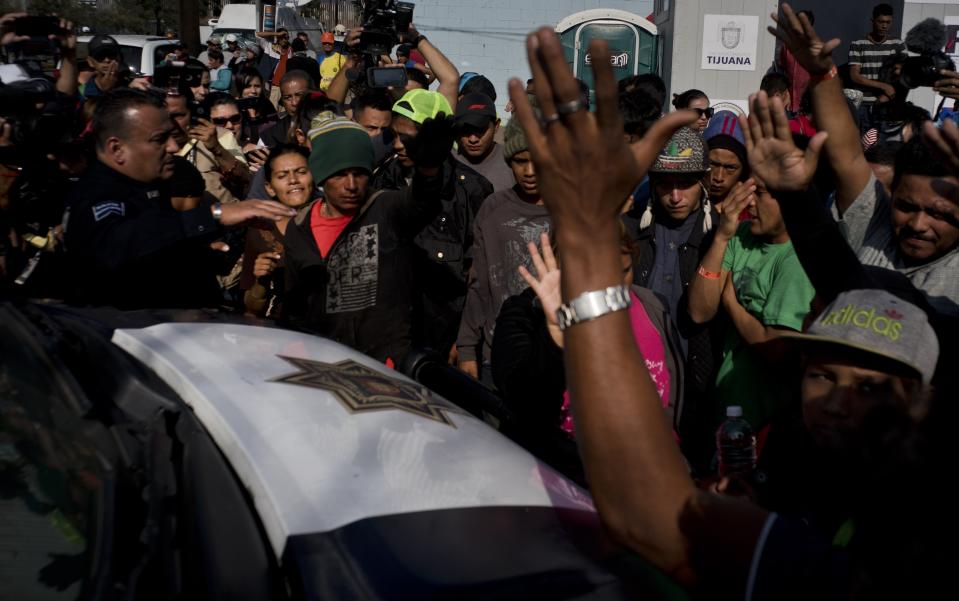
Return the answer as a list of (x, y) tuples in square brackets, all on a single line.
[(432, 143)]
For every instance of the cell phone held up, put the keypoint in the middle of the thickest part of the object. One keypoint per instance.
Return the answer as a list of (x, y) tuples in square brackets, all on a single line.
[(37, 26), (39, 30), (386, 77)]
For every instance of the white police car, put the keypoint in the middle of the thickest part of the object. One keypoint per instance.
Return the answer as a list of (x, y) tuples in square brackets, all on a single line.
[(161, 455)]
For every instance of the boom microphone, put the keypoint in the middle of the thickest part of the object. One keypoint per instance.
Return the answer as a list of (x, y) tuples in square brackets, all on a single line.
[(926, 37)]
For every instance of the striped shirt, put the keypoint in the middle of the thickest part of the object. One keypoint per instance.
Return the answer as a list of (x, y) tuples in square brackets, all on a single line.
[(867, 227), (869, 56)]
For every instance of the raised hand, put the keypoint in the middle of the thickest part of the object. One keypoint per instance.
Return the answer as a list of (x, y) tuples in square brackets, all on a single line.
[(584, 165), (798, 34), (773, 156), (433, 143), (739, 198), (948, 86), (545, 284), (944, 142), (205, 131)]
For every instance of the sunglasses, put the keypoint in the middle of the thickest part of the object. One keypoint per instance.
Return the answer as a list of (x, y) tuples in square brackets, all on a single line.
[(706, 112), (221, 121)]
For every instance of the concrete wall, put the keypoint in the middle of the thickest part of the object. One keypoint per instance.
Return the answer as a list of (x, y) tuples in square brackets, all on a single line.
[(682, 29), (489, 36)]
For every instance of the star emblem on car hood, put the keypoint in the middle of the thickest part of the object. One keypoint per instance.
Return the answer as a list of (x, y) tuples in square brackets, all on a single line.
[(359, 388)]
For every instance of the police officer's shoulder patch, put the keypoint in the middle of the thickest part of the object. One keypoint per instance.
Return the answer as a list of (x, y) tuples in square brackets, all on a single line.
[(105, 209)]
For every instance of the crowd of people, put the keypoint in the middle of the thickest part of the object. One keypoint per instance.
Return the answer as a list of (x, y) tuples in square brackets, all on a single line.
[(619, 276)]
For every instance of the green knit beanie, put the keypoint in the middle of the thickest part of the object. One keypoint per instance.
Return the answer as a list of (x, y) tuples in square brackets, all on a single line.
[(514, 138), (336, 144)]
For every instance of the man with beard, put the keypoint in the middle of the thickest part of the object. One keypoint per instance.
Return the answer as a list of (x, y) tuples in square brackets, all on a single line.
[(128, 246)]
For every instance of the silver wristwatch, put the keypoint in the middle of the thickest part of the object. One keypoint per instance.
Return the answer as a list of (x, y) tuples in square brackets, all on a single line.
[(590, 305), (217, 211)]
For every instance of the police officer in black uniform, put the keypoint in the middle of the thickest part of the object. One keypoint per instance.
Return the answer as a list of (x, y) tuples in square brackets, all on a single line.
[(127, 245)]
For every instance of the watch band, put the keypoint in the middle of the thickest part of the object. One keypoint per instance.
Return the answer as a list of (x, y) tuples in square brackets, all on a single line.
[(590, 305), (416, 41), (217, 211)]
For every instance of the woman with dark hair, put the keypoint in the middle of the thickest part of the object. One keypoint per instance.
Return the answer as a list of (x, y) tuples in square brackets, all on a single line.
[(249, 84), (289, 181), (695, 100)]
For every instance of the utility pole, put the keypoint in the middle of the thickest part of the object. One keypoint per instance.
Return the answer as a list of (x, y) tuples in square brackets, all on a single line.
[(189, 32)]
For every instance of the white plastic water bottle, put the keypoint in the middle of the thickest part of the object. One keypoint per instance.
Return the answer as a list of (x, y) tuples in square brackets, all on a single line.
[(736, 444)]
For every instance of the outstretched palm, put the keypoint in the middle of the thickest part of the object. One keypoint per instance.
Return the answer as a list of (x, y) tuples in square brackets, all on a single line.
[(545, 284), (797, 33), (773, 156)]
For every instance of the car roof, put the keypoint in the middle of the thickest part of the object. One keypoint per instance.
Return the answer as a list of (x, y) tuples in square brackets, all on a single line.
[(132, 40), (323, 436)]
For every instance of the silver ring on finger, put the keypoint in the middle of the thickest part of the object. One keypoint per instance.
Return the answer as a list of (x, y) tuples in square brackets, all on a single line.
[(550, 119), (568, 108)]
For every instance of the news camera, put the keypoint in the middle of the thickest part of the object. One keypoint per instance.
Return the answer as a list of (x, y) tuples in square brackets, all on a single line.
[(383, 21), (925, 39)]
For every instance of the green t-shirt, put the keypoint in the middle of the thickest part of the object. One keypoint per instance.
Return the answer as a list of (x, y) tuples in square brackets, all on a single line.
[(770, 284)]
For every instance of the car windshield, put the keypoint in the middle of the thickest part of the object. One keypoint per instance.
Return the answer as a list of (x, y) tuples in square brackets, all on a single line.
[(131, 55)]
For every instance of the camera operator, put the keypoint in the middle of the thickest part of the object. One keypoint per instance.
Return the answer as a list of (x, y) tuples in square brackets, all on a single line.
[(38, 156), (126, 244)]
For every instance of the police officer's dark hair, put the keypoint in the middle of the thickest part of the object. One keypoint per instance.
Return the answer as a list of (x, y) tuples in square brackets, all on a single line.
[(111, 116), (300, 75), (280, 150), (374, 98), (774, 83)]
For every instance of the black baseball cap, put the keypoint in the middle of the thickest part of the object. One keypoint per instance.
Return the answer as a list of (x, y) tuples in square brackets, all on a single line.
[(103, 46), (477, 110)]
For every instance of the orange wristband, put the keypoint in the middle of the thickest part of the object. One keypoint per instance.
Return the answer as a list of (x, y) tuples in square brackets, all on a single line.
[(832, 73), (709, 275)]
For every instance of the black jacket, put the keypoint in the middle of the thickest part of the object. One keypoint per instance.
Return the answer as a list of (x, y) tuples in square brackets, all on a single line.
[(277, 133), (442, 251), (128, 247), (362, 293), (704, 340)]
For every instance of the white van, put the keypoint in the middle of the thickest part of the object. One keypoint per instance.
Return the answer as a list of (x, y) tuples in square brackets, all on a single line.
[(243, 21), (142, 52)]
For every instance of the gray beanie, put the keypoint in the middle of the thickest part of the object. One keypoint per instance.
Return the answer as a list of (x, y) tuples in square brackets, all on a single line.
[(514, 139)]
